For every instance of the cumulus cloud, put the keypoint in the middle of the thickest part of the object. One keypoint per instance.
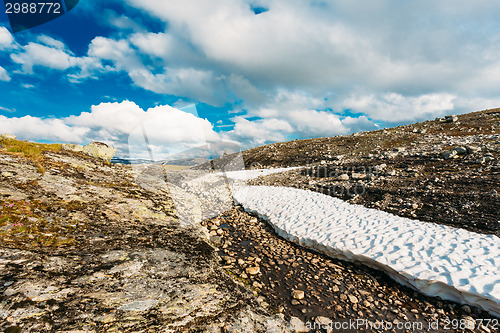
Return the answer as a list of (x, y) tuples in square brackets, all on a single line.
[(33, 128), (332, 45), (123, 125), (4, 76), (51, 53), (398, 108), (51, 42), (37, 54), (6, 39), (418, 58), (253, 133)]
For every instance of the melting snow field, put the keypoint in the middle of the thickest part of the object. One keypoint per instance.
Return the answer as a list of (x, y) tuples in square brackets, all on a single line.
[(438, 260)]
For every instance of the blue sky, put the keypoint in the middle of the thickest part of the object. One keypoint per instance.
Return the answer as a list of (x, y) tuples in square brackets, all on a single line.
[(245, 72)]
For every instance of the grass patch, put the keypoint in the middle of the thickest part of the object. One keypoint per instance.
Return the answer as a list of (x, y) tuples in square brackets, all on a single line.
[(30, 150)]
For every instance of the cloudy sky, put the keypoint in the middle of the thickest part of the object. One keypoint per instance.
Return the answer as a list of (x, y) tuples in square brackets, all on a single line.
[(245, 72)]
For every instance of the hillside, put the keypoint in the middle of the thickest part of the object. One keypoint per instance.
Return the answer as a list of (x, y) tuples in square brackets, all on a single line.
[(83, 248), (445, 171)]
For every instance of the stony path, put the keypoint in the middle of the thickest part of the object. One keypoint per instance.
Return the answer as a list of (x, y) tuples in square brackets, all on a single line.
[(333, 289)]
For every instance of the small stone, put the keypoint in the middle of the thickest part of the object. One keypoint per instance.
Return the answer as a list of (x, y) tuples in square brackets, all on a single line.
[(298, 294), (353, 299), (472, 149), (460, 150), (359, 176), (451, 118), (99, 150), (253, 270), (449, 154), (9, 292), (466, 309), (138, 305), (343, 177), (72, 147)]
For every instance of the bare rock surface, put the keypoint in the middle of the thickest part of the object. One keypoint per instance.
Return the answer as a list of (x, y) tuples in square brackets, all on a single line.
[(82, 248)]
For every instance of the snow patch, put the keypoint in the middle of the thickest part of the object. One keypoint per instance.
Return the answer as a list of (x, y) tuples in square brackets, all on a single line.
[(438, 260)]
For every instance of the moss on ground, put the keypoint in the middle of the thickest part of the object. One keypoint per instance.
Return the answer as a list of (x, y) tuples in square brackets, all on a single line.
[(30, 150)]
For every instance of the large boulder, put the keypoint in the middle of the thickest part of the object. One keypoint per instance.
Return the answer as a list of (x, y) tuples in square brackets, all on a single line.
[(99, 150)]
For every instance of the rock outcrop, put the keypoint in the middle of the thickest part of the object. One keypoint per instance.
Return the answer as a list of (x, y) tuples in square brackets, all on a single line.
[(83, 248), (72, 147)]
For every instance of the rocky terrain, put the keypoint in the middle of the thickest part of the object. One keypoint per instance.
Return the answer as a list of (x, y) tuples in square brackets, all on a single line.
[(445, 171), (84, 249), (309, 287)]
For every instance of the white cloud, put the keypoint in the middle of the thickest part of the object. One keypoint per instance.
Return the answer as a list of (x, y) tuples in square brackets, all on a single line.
[(173, 126), (7, 109), (40, 55), (114, 117), (202, 85), (51, 42), (121, 22), (53, 54), (4, 76), (359, 124), (293, 115), (252, 133), (310, 123), (109, 49), (6, 39), (398, 108), (418, 58), (168, 129), (33, 128), (155, 44)]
